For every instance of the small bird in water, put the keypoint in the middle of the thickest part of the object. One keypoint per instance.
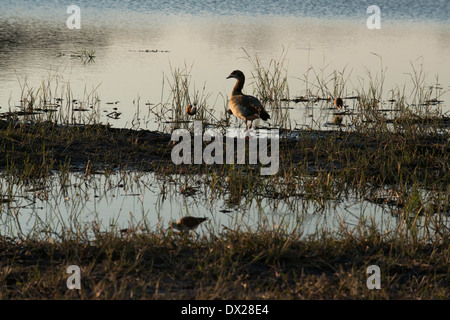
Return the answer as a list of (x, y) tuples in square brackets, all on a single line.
[(338, 103), (187, 223), (191, 109), (243, 106)]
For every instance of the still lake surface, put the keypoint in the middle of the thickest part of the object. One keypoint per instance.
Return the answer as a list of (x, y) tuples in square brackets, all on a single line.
[(138, 43)]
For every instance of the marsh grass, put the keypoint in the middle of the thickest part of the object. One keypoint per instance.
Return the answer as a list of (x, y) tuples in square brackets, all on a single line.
[(236, 264), (54, 101), (171, 111), (270, 83), (409, 149), (397, 159)]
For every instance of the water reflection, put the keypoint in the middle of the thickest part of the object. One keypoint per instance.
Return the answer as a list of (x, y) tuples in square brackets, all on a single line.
[(147, 202)]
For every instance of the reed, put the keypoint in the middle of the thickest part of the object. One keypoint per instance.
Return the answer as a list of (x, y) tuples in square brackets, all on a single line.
[(270, 83)]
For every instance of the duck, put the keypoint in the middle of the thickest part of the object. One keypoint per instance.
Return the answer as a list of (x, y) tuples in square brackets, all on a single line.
[(187, 223), (191, 109), (245, 107)]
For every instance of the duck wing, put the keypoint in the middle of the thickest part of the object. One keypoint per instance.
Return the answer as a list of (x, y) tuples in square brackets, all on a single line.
[(255, 106)]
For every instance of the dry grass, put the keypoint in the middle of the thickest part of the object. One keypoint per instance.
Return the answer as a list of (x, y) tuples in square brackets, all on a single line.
[(232, 265)]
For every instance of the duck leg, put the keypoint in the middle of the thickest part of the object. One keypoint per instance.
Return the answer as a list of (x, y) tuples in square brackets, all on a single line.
[(246, 129)]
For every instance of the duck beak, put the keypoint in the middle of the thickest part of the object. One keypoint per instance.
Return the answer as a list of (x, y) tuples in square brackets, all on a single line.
[(230, 76)]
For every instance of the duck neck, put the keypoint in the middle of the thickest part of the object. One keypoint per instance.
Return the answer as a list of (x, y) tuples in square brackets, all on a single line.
[(237, 90)]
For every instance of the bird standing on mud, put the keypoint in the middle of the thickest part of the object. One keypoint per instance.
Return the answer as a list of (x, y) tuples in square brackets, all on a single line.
[(191, 109), (187, 223), (243, 106)]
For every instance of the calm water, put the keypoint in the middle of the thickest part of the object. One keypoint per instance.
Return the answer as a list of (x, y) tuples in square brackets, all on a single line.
[(209, 36), (35, 46), (148, 202)]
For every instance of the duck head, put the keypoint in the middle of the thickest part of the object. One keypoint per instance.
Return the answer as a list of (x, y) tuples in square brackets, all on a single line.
[(237, 74)]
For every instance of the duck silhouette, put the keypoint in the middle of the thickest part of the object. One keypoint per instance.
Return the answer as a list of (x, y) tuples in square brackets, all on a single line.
[(245, 107)]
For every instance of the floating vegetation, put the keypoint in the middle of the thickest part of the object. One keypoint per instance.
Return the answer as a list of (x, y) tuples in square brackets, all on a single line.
[(151, 50), (86, 56)]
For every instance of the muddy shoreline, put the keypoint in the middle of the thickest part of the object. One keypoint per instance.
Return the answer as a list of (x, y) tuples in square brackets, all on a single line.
[(93, 148)]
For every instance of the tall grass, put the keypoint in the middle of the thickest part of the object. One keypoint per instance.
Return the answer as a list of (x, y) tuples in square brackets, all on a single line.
[(270, 83), (54, 101), (178, 92)]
